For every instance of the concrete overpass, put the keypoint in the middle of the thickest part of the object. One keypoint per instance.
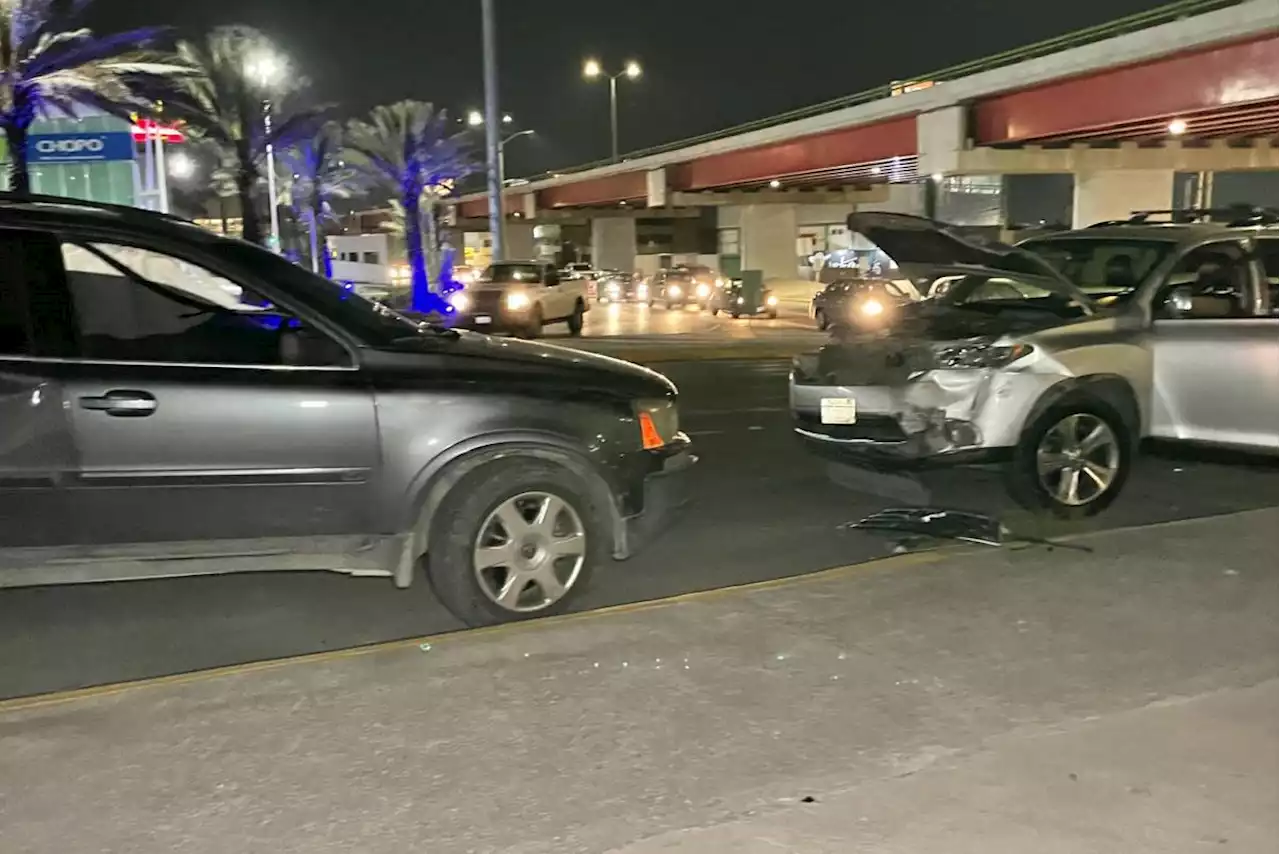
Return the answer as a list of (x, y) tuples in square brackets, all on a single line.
[(1190, 88)]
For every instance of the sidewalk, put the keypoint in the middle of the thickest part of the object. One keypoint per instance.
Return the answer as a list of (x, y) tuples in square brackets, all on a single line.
[(1003, 701)]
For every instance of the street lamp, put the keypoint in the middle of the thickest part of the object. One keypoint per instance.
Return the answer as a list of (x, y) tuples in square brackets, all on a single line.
[(181, 166), (502, 150), (266, 69), (593, 70)]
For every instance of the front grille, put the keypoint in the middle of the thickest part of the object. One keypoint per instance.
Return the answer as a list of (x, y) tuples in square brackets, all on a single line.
[(486, 302), (871, 428)]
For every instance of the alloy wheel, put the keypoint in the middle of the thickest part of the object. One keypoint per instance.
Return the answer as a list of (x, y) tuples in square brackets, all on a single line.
[(1078, 459), (529, 552)]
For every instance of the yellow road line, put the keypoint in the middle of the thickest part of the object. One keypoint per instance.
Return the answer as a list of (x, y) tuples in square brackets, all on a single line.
[(56, 698)]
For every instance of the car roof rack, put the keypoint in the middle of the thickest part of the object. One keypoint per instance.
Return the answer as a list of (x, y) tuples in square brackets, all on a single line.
[(1233, 216)]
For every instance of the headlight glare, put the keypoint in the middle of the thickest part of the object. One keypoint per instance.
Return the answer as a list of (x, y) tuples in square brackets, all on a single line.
[(459, 301), (517, 300)]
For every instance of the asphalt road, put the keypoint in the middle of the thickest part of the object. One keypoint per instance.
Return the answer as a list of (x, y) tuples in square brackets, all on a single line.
[(763, 509)]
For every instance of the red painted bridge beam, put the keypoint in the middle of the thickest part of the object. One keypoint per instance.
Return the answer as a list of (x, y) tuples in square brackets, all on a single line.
[(1216, 78)]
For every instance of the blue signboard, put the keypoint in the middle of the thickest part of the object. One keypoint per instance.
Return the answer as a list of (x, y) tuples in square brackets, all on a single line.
[(80, 147)]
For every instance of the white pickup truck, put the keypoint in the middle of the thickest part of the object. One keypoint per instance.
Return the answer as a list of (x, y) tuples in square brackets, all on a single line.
[(520, 297)]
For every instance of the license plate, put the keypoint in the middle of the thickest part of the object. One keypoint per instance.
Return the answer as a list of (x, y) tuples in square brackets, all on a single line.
[(483, 318), (839, 410)]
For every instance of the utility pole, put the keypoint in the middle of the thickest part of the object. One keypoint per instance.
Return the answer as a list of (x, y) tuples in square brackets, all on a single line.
[(492, 126)]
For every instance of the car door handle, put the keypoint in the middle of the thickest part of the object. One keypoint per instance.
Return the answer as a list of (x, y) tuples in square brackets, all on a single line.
[(123, 403)]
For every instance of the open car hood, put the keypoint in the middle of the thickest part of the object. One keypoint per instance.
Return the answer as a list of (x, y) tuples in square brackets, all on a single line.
[(926, 248)]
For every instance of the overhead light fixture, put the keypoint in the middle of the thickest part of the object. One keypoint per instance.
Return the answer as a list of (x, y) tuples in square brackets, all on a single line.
[(1177, 127), (775, 184)]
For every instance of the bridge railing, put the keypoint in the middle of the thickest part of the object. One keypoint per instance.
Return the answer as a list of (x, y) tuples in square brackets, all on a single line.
[(1122, 26)]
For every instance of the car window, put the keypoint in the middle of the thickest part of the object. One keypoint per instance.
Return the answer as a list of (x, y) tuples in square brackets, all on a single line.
[(992, 293), (1267, 254), (138, 305), (15, 332), (1216, 277), (1102, 266), (511, 273)]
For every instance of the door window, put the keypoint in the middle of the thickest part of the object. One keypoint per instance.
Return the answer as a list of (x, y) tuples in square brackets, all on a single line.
[(1209, 282), (1270, 258), (15, 332), (139, 305)]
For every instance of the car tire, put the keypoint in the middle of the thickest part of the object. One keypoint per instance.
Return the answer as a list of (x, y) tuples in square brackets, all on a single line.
[(715, 311), (533, 328), (820, 318), (736, 314), (1061, 467), (772, 314), (470, 516), (575, 320)]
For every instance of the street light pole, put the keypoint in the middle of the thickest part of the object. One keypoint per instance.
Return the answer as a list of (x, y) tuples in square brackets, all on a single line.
[(592, 69), (613, 114), (492, 128), (271, 180)]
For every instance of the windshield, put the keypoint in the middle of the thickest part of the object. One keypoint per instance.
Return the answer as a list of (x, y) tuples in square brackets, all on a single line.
[(505, 273), (372, 322), (1102, 266), (998, 293)]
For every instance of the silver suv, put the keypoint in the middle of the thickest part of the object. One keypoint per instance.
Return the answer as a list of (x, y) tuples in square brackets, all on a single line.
[(1057, 356), (176, 403)]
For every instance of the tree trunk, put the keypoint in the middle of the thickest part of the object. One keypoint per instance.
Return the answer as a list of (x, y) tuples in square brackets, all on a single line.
[(246, 181), (251, 225), (419, 286), (433, 243), (19, 174)]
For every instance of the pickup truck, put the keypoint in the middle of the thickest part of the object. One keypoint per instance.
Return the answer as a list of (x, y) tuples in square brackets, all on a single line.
[(520, 297)]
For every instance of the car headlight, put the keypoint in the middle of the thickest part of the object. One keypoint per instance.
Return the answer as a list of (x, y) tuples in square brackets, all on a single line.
[(659, 422), (771, 300), (703, 291), (741, 300), (979, 354), (871, 308), (459, 301), (517, 301), (674, 290)]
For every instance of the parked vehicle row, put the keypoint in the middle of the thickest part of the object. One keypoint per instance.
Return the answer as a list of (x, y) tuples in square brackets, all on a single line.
[(1053, 358), (176, 403)]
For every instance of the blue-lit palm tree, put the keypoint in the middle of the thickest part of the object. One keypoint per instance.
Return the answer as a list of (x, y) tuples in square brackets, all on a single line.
[(410, 148), (49, 70), (240, 73), (320, 175)]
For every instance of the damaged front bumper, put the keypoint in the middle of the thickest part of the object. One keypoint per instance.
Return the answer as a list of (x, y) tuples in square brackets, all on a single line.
[(909, 419)]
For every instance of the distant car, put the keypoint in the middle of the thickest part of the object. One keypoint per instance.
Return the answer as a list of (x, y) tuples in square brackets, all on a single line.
[(860, 303), (1055, 357), (733, 299), (520, 297), (616, 286), (175, 403), (585, 272), (682, 286)]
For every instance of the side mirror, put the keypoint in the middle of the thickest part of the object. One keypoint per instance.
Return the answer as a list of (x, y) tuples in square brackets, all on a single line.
[(1179, 301)]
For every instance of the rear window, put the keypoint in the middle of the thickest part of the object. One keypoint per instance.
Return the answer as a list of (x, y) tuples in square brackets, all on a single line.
[(1101, 266), (502, 273)]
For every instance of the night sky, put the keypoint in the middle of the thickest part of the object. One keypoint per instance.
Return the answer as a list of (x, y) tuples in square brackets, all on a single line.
[(708, 63)]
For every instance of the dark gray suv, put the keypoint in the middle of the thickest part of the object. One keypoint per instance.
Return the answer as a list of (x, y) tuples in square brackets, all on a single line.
[(177, 403)]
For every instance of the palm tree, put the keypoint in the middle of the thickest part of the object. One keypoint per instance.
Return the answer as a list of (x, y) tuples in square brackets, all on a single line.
[(45, 70), (319, 176), (226, 103), (410, 148)]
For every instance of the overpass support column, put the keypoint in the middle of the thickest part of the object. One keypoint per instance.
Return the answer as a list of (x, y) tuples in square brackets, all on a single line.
[(1115, 194), (518, 241), (766, 237), (613, 243)]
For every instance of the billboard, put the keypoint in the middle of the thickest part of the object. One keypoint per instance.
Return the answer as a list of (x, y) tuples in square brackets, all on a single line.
[(80, 147)]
